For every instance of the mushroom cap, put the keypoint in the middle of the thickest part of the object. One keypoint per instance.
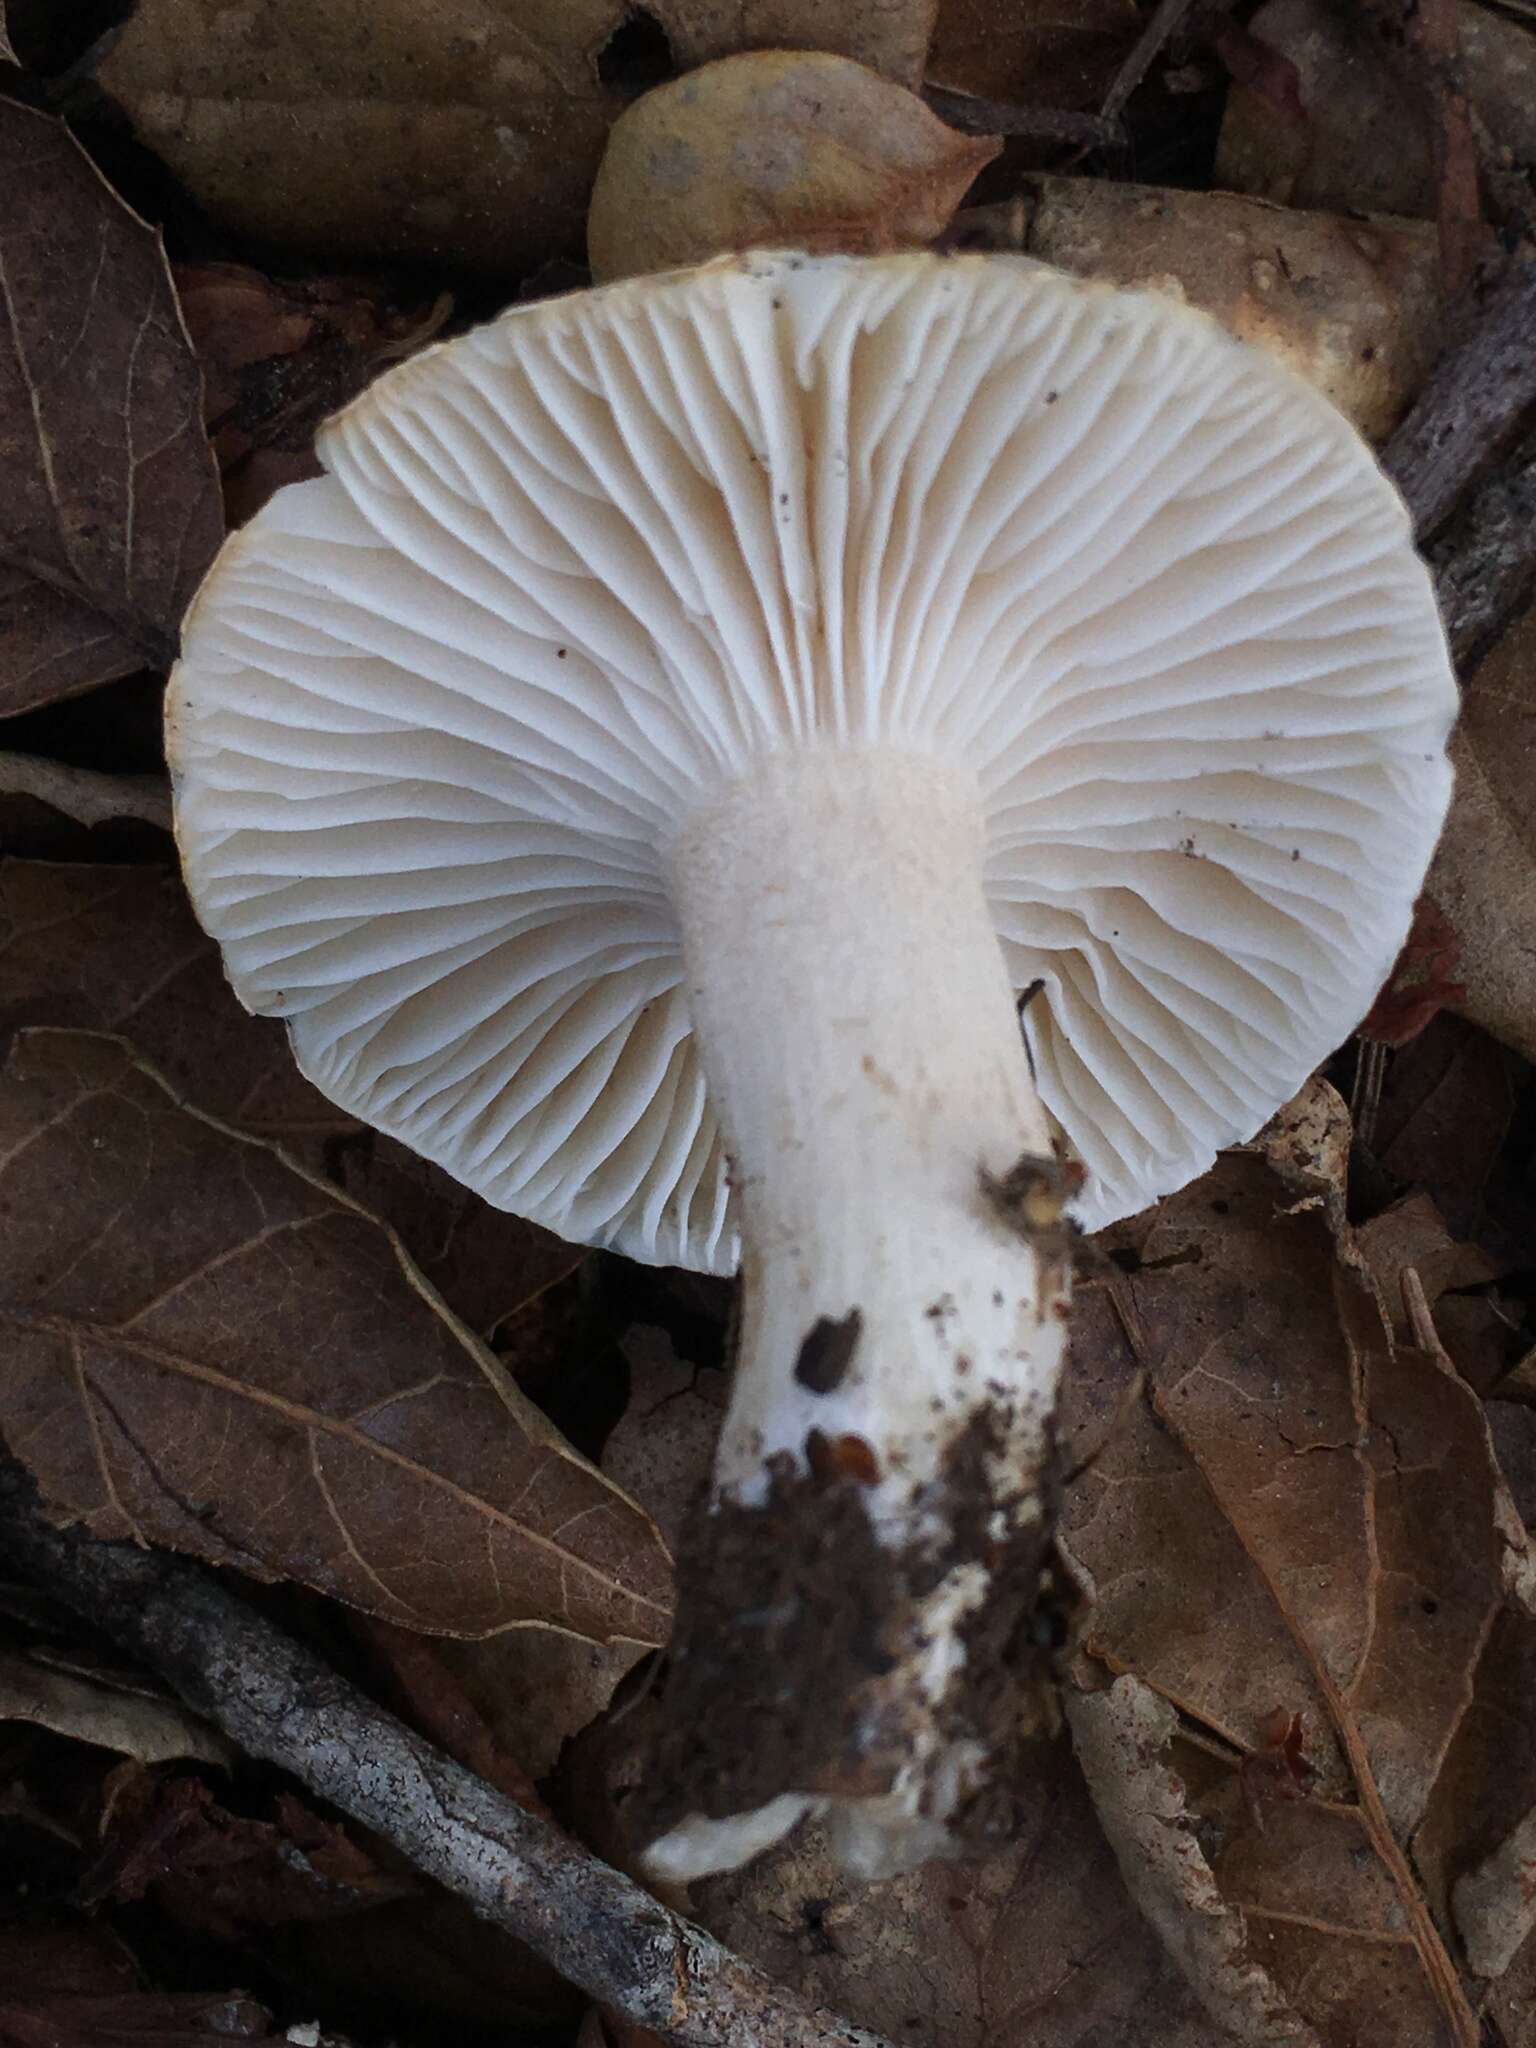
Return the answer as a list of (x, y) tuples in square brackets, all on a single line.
[(439, 711)]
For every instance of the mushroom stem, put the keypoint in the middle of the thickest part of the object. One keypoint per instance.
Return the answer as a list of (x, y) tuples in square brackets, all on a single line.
[(856, 1628)]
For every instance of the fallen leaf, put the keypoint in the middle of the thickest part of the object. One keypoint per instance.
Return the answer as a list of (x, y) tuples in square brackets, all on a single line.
[(216, 1350), (1447, 1107), (71, 1984), (1412, 1233), (888, 36), (1122, 1737), (1484, 874), (117, 949), (465, 134), (1036, 1946), (488, 1266), (117, 1716), (111, 508), (225, 1874), (772, 148), (7, 54), (1295, 1516)]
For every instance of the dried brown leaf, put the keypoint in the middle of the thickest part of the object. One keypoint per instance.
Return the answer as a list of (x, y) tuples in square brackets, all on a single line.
[(1037, 1946), (110, 511), (1353, 305), (213, 1349), (461, 134), (117, 949), (90, 1708), (775, 147), (889, 36), (1296, 1517)]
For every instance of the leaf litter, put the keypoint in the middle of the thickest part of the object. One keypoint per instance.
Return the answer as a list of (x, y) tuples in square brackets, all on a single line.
[(1298, 1800)]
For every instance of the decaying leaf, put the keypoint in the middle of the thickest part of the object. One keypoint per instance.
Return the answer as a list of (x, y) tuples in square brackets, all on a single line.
[(1298, 1517), (91, 1707), (777, 147), (213, 1349), (1037, 1946), (110, 511), (7, 54), (1484, 874)]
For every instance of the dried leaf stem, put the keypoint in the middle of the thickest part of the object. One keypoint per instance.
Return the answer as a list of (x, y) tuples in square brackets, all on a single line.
[(280, 1702)]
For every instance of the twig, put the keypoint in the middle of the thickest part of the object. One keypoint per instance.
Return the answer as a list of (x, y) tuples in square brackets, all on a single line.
[(280, 1702), (1485, 567), (976, 116), (1157, 32), (1478, 397)]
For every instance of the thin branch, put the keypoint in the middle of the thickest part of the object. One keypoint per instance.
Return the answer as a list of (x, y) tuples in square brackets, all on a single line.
[(1485, 567), (1158, 31), (280, 1702), (85, 794), (1480, 394), (976, 116)]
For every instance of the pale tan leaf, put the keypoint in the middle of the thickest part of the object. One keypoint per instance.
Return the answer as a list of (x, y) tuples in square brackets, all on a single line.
[(213, 1349), (90, 1708), (84, 794), (1122, 1737), (776, 147)]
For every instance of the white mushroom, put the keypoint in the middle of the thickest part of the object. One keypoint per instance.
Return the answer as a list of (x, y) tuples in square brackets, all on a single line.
[(645, 771)]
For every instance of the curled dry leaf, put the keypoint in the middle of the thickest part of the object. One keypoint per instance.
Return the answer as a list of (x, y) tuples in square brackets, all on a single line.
[(212, 1349), (1297, 1517), (110, 511), (1121, 1737), (92, 1708), (775, 147)]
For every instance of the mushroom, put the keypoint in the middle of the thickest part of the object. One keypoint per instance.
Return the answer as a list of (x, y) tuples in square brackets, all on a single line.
[(645, 771)]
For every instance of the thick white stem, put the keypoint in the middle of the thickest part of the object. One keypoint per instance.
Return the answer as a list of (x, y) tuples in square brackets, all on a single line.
[(878, 1514)]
